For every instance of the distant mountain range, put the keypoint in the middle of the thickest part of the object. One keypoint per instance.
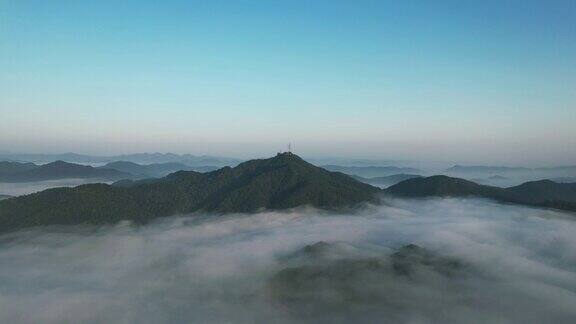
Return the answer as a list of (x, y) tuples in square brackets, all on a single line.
[(154, 170), (565, 180), (371, 171), (281, 182), (559, 171), (485, 169), (543, 193), (511, 176), (30, 172), (284, 181), (142, 158), (27, 172)]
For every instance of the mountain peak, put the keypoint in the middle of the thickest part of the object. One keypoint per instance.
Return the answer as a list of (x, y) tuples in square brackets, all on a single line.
[(287, 157), (280, 160), (286, 154), (281, 182)]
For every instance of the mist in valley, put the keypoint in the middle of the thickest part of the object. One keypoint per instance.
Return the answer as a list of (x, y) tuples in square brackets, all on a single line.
[(518, 266)]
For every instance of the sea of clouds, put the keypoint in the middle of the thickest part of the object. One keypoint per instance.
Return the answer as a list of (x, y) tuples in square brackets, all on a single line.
[(206, 269)]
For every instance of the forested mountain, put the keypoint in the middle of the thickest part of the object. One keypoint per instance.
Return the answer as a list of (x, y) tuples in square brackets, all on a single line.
[(284, 181), (543, 193), (281, 182)]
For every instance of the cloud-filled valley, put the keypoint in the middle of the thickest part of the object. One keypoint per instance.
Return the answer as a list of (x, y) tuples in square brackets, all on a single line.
[(519, 265)]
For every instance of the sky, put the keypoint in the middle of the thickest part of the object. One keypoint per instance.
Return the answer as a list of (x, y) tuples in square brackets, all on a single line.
[(477, 81)]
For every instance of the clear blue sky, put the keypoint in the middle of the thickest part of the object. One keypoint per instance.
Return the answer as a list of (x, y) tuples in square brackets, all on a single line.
[(490, 81)]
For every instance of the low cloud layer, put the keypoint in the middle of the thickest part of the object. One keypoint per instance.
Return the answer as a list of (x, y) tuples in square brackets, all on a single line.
[(202, 269)]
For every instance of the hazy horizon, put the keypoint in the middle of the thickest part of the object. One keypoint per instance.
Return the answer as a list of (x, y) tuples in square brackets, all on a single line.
[(326, 153), (486, 82)]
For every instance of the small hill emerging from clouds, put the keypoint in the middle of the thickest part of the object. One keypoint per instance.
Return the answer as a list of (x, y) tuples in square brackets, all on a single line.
[(281, 182), (27, 172), (338, 279), (542, 193)]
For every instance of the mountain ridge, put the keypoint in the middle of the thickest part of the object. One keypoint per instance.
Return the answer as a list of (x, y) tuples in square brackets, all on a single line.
[(154, 170), (28, 172), (282, 182), (540, 193), (146, 158)]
